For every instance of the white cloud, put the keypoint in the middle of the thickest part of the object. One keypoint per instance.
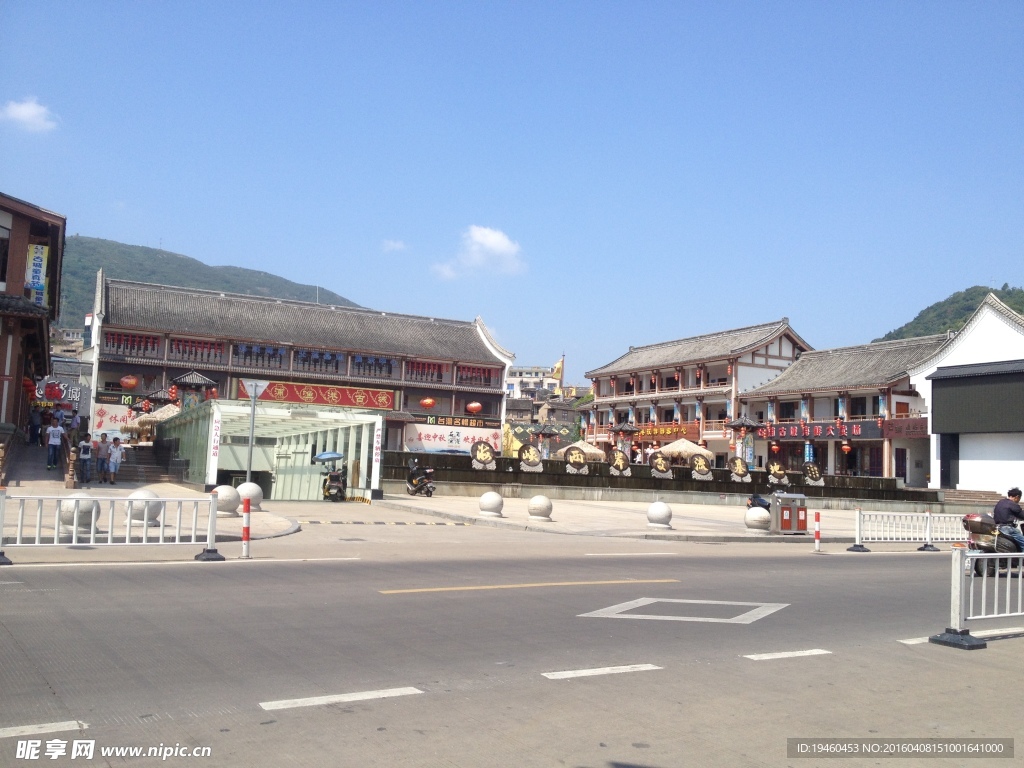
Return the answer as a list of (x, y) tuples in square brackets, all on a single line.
[(392, 245), (29, 115), (483, 249)]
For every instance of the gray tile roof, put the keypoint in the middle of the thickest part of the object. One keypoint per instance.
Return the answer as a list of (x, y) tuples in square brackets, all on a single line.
[(186, 311), (696, 349), (978, 369), (19, 306), (866, 365)]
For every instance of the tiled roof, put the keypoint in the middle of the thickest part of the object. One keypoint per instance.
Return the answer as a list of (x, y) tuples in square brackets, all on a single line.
[(193, 379), (161, 308), (868, 365), (712, 346), (20, 306), (978, 369)]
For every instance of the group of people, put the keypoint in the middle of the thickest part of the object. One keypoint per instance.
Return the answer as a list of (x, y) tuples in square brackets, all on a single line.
[(108, 456), (40, 420)]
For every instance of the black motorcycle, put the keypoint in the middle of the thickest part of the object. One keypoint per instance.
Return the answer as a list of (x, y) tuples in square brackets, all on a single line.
[(420, 479), (983, 535), (334, 485)]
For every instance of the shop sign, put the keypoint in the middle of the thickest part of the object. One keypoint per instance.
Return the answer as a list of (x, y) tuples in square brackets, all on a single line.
[(35, 274), (822, 430), (434, 439), (916, 427), (459, 421), (323, 394)]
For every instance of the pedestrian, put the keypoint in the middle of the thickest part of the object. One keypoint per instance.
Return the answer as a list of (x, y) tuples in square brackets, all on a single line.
[(54, 439), (76, 424), (115, 459), (35, 425), (102, 456), (61, 416), (85, 459)]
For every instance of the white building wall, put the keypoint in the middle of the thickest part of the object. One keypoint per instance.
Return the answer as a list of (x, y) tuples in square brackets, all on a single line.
[(992, 462), (749, 377), (989, 337)]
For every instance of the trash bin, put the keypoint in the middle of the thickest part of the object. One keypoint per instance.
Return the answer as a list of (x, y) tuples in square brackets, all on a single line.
[(788, 513)]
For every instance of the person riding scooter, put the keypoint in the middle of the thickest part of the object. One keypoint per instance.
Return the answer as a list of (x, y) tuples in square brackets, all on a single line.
[(334, 484), (1007, 513)]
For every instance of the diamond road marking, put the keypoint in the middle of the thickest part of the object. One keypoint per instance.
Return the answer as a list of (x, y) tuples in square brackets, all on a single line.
[(758, 611)]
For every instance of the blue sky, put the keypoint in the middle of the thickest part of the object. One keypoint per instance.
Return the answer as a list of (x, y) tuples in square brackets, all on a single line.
[(584, 176)]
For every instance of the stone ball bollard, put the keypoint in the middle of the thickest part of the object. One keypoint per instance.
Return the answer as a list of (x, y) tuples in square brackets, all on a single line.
[(659, 515), (88, 510), (540, 509), (253, 492), (491, 504), (145, 506), (227, 501), (757, 518)]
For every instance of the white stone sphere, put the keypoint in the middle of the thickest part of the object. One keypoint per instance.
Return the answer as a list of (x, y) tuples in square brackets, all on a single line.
[(227, 501), (491, 504), (88, 510), (145, 505), (540, 508), (659, 515), (253, 492), (757, 518)]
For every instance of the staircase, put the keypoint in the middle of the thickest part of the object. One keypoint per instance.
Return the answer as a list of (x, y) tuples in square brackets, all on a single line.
[(141, 465), (987, 498)]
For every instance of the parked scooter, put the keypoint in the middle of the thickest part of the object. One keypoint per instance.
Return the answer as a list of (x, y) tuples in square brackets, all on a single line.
[(420, 479), (984, 535), (334, 485)]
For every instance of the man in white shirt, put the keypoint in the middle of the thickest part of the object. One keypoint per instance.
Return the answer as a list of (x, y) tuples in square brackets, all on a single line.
[(115, 459), (54, 437), (85, 459)]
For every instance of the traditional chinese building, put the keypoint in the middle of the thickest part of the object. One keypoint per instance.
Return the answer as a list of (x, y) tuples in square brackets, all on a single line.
[(687, 388), (850, 410), (31, 254), (435, 384)]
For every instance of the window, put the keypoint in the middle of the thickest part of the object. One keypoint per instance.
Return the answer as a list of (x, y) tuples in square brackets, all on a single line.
[(787, 411), (5, 246)]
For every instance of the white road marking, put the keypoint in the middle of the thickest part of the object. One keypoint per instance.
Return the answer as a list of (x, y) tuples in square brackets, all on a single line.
[(627, 554), (340, 698), (759, 611), (12, 582), (32, 730), (787, 654), (978, 633), (599, 671)]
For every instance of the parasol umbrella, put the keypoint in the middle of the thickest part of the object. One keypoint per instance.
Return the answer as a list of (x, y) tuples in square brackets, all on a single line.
[(685, 449), (328, 456), (592, 453)]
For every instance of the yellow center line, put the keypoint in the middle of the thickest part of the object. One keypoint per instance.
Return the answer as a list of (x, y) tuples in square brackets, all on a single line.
[(526, 586)]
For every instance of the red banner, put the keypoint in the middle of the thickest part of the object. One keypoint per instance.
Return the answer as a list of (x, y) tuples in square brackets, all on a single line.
[(323, 394)]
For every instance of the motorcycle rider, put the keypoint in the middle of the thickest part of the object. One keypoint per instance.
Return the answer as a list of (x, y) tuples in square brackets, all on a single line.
[(1006, 512)]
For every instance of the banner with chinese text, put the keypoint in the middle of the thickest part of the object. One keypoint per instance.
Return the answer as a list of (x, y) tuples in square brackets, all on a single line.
[(323, 394), (434, 439)]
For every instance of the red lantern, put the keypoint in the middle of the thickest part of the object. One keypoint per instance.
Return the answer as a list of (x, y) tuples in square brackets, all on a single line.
[(130, 381), (173, 392), (474, 407), (213, 393), (428, 403), (147, 406), (846, 448), (879, 423), (775, 447)]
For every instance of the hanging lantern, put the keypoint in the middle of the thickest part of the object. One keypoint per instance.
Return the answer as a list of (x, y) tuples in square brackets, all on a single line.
[(131, 381), (879, 422), (173, 392), (846, 448), (147, 406), (732, 446), (428, 403), (213, 393), (474, 407), (775, 447), (729, 370)]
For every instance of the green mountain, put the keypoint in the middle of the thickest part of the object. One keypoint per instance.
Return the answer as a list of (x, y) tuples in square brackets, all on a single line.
[(84, 256), (950, 314)]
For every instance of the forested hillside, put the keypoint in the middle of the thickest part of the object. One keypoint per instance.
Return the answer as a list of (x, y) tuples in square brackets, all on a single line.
[(84, 256), (950, 314)]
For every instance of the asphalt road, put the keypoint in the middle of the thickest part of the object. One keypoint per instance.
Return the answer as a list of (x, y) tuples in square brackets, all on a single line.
[(462, 625)]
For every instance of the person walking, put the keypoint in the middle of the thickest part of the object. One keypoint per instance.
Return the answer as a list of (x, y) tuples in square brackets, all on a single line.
[(115, 458), (102, 456), (74, 427), (35, 425), (54, 438), (85, 459)]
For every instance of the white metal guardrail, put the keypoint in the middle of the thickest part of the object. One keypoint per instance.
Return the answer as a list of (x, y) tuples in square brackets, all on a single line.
[(904, 527), (983, 586), (79, 519)]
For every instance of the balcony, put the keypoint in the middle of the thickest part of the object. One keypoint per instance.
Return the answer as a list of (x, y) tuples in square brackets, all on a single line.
[(259, 357), (134, 345)]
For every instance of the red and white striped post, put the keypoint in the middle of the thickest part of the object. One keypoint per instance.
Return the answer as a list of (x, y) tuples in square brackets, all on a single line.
[(817, 531), (245, 528)]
